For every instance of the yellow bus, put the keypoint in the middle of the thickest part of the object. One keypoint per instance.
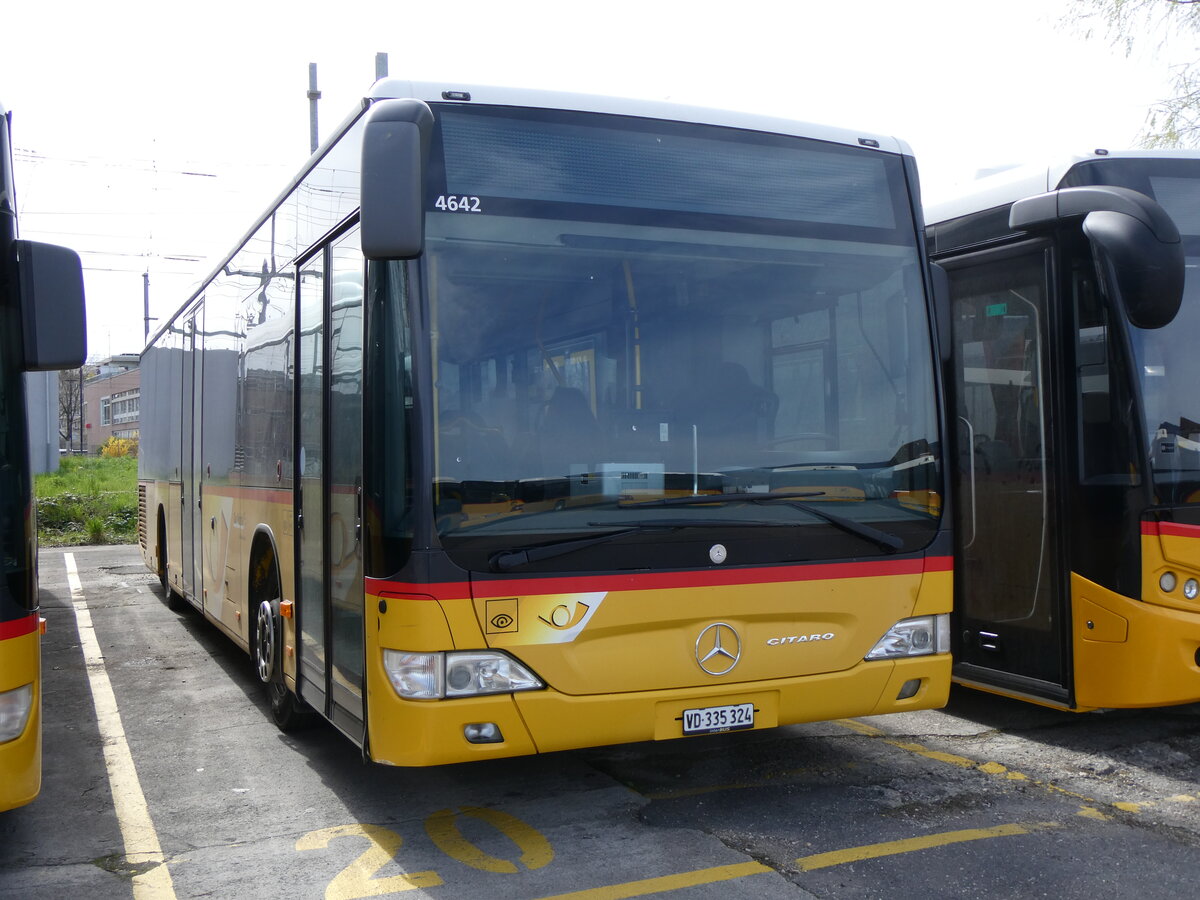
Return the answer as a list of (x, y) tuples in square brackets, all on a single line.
[(1077, 447), (526, 421), (41, 311)]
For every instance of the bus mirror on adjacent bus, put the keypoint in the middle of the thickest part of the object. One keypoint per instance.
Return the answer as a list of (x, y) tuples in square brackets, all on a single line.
[(1139, 253), (1144, 271), (394, 151), (50, 285)]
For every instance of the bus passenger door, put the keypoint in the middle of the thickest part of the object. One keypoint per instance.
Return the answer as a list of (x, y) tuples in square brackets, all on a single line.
[(190, 419), (328, 500), (1009, 596), (310, 481), (344, 594)]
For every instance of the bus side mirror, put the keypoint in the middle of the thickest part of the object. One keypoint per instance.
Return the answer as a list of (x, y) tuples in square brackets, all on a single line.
[(395, 147), (1146, 273), (50, 287), (1138, 250)]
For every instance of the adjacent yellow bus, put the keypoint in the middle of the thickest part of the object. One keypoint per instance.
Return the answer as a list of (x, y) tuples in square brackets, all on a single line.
[(526, 421), (1077, 450), (41, 328)]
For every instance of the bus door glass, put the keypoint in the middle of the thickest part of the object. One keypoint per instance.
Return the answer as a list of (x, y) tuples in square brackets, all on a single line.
[(344, 501), (329, 438), (1006, 566), (310, 493)]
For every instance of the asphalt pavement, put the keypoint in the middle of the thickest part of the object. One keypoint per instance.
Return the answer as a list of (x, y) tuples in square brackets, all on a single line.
[(178, 785)]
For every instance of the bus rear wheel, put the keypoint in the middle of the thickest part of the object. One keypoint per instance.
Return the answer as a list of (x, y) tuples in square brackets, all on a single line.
[(174, 601), (288, 711)]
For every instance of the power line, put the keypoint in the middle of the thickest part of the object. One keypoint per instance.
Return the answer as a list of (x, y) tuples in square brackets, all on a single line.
[(177, 257), (32, 156), (138, 271)]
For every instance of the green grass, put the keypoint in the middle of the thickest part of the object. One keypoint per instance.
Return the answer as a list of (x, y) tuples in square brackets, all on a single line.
[(89, 500)]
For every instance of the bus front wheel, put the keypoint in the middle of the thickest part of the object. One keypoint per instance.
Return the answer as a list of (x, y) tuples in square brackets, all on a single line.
[(287, 710)]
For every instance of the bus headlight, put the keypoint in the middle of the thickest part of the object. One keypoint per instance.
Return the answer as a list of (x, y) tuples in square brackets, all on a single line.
[(432, 676), (415, 676), (920, 636), (1190, 588), (486, 673), (15, 706)]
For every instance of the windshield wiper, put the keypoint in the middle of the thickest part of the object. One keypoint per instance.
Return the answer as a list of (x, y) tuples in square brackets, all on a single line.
[(506, 560), (881, 539), (747, 496)]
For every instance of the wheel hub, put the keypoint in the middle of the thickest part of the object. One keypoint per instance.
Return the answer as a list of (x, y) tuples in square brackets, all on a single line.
[(265, 653)]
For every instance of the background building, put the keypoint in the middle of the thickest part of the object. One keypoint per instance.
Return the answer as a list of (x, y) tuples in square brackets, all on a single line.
[(111, 401)]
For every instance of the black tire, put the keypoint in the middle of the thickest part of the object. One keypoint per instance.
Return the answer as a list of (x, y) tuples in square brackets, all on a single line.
[(173, 600), (288, 711)]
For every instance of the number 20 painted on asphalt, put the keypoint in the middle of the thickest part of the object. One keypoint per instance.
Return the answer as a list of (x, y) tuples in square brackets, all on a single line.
[(359, 879)]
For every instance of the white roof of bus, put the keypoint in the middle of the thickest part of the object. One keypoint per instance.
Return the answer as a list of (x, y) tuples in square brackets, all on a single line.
[(654, 109), (1013, 184)]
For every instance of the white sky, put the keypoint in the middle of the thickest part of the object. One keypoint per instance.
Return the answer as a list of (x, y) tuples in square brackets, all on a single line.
[(149, 136)]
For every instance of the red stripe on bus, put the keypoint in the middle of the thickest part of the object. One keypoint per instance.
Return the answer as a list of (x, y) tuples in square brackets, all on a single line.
[(587, 584), (1176, 529), (19, 627), (1173, 529)]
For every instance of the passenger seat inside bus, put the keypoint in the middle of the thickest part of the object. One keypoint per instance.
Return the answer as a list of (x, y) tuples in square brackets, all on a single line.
[(728, 409), (570, 436)]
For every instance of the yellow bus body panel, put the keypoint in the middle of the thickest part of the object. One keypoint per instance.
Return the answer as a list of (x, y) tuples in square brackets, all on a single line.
[(606, 642), (21, 758), (1130, 653), (641, 672), (1175, 549)]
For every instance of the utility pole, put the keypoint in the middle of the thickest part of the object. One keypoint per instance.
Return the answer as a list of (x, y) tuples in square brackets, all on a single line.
[(146, 302), (313, 96), (381, 68)]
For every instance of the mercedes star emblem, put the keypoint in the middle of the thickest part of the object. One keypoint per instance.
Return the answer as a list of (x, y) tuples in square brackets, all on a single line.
[(718, 648)]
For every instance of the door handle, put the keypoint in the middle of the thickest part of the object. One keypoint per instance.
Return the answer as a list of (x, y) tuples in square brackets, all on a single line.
[(989, 640), (358, 507)]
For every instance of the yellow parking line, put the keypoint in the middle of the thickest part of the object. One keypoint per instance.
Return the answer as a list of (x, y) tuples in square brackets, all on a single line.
[(152, 879), (667, 882), (806, 863), (998, 769), (908, 845)]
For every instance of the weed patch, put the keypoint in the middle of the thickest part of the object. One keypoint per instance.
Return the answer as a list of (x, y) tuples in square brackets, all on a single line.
[(88, 500)]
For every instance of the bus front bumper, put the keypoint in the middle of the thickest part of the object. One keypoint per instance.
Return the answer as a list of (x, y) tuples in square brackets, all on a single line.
[(423, 733)]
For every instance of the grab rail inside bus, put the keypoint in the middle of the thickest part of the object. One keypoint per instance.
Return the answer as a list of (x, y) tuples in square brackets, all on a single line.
[(971, 472)]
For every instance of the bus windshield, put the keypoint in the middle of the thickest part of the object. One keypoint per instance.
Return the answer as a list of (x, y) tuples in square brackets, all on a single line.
[(625, 313), (1169, 370), (1168, 367)]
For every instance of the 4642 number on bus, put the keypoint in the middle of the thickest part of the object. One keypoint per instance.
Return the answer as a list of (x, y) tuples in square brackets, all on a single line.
[(456, 203)]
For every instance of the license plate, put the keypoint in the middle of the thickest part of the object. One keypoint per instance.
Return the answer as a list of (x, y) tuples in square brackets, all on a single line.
[(712, 719)]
